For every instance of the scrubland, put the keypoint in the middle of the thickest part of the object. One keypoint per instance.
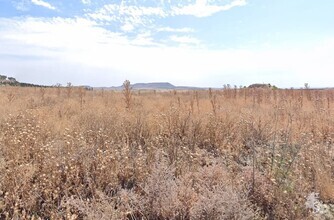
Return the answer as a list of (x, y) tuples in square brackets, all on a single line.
[(68, 153)]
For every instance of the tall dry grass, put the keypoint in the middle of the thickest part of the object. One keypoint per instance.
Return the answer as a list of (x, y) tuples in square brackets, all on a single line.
[(66, 153)]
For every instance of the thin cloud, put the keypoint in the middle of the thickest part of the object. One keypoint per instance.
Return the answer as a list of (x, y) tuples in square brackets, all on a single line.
[(43, 4), (202, 8), (86, 2), (126, 13), (127, 27), (144, 39), (22, 5), (185, 39), (129, 15), (176, 30), (127, 18)]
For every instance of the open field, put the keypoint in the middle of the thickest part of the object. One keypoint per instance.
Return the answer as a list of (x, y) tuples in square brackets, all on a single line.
[(68, 153)]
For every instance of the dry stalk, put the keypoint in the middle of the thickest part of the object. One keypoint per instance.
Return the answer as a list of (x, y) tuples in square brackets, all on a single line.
[(213, 101), (197, 100), (69, 90), (42, 93), (82, 94), (127, 93)]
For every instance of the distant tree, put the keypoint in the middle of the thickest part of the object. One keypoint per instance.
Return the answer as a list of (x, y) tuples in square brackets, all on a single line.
[(12, 79), (258, 85), (58, 86), (3, 77), (306, 86), (308, 92), (226, 86)]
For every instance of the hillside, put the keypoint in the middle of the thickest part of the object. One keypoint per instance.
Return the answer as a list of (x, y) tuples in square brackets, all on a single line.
[(153, 86), (11, 81)]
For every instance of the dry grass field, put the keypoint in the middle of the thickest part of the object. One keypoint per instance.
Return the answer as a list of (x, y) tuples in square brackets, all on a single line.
[(68, 153)]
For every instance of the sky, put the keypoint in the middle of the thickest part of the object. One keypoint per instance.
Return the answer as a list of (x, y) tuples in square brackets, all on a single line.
[(206, 43)]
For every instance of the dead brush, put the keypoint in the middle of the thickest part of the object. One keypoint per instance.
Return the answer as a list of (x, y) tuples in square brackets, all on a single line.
[(90, 157)]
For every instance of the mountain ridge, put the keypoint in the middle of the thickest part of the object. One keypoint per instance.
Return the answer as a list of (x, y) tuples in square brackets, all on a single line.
[(153, 86)]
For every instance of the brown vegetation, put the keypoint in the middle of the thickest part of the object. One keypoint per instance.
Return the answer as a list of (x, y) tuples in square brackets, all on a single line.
[(66, 153)]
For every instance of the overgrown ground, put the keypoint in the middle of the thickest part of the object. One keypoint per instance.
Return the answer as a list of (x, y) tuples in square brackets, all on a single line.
[(68, 153)]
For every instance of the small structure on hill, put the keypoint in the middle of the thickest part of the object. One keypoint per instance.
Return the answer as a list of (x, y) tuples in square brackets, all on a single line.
[(5, 79), (11, 80)]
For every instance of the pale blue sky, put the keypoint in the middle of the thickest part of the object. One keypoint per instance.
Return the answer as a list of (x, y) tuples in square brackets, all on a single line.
[(205, 43)]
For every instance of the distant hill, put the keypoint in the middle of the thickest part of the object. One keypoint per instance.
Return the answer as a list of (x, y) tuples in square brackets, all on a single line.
[(153, 86)]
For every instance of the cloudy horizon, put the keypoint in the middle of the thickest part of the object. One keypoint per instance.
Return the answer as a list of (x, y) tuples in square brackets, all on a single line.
[(204, 43)]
